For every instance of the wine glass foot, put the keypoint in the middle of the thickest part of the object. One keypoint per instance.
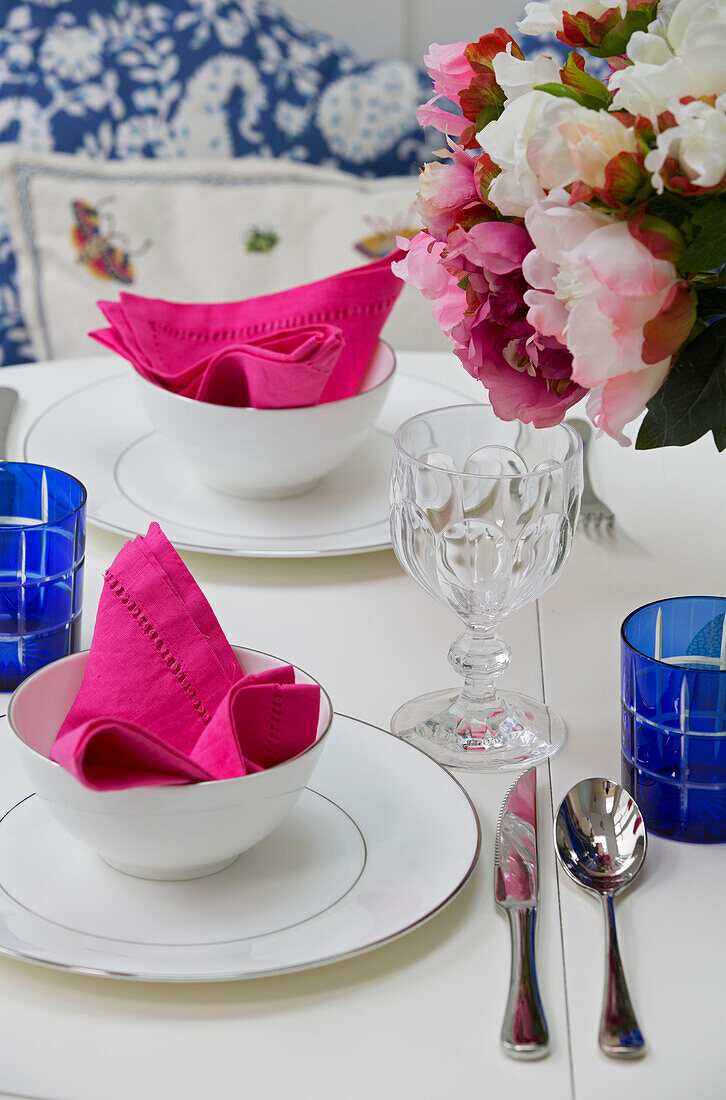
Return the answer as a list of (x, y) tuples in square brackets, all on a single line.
[(511, 733)]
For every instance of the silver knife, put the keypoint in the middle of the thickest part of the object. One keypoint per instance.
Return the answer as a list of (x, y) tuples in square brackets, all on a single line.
[(516, 891), (8, 399)]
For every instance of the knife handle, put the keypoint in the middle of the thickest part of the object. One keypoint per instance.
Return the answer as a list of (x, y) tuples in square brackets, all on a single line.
[(524, 1031)]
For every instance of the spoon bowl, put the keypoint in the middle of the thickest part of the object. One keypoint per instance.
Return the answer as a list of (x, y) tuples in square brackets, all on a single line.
[(600, 840), (600, 836)]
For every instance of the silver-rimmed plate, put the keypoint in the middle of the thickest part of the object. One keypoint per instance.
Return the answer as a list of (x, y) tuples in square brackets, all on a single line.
[(382, 840), (101, 434)]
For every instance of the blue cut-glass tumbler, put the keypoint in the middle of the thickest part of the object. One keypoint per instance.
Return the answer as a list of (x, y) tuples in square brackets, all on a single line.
[(42, 546), (673, 695)]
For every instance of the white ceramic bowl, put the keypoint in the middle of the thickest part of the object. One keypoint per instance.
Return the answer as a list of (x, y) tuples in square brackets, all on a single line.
[(156, 832), (266, 454)]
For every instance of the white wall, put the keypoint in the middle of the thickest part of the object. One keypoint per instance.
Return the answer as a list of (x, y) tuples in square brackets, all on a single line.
[(404, 28)]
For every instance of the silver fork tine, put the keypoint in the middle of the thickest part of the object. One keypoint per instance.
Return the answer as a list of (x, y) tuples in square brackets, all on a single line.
[(594, 513)]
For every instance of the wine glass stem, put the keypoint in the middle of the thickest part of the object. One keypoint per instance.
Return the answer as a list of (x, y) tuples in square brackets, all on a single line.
[(480, 656)]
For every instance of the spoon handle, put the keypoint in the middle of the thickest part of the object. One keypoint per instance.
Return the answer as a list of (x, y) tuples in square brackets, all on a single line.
[(524, 1031), (620, 1036)]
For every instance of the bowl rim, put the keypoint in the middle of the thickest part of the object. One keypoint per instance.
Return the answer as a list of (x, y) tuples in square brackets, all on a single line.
[(571, 458), (232, 409), (179, 786)]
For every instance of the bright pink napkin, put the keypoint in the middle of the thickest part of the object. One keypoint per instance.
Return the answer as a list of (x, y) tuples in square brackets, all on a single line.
[(163, 698), (275, 371), (174, 343)]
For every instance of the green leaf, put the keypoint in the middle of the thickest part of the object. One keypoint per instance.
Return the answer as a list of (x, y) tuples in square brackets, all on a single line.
[(463, 284), (692, 400), (670, 208), (699, 327), (574, 75), (487, 115), (616, 40), (711, 301), (565, 92), (708, 250)]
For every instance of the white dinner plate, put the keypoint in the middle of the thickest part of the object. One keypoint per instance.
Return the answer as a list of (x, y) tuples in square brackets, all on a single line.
[(381, 841), (101, 434)]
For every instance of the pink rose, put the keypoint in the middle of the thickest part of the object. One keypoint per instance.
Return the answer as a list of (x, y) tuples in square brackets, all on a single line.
[(598, 290), (444, 189)]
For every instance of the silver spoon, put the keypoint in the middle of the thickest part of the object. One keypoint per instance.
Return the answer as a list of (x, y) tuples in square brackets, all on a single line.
[(600, 841)]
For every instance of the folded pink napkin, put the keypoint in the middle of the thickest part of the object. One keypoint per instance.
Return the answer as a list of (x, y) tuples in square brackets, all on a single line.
[(230, 343), (163, 698), (275, 371)]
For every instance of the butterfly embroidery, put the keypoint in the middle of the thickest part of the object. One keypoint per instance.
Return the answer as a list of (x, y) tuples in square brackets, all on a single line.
[(382, 241), (99, 246)]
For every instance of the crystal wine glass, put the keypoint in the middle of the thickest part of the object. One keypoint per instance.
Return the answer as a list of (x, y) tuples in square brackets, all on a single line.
[(482, 516)]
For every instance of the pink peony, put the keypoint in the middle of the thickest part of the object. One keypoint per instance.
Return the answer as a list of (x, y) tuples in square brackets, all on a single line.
[(429, 114), (423, 268), (598, 290), (616, 402), (451, 73), (497, 247), (476, 283), (527, 378), (449, 68)]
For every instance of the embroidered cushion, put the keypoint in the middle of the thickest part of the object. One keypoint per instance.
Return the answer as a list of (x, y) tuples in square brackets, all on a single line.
[(193, 231), (182, 78)]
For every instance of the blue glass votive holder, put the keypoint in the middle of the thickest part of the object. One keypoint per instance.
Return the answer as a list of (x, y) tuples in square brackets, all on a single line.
[(42, 547), (673, 702)]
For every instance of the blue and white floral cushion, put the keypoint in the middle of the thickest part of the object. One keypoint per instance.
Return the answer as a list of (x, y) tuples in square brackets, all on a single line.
[(117, 79)]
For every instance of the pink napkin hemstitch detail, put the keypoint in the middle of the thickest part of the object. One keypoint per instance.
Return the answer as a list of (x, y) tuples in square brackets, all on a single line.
[(165, 654)]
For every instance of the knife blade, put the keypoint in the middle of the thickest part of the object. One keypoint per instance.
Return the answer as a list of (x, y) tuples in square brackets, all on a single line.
[(516, 892), (8, 399)]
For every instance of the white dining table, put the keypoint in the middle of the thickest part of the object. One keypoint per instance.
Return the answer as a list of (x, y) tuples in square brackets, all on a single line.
[(420, 1017)]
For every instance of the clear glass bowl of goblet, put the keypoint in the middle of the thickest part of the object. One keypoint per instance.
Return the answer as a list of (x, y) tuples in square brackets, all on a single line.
[(483, 513)]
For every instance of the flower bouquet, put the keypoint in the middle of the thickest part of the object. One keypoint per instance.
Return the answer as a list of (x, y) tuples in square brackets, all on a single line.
[(575, 229)]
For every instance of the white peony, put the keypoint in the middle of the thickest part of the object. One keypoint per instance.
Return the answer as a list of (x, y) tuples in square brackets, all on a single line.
[(575, 143), (681, 54), (505, 139), (516, 77), (546, 18), (697, 142)]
